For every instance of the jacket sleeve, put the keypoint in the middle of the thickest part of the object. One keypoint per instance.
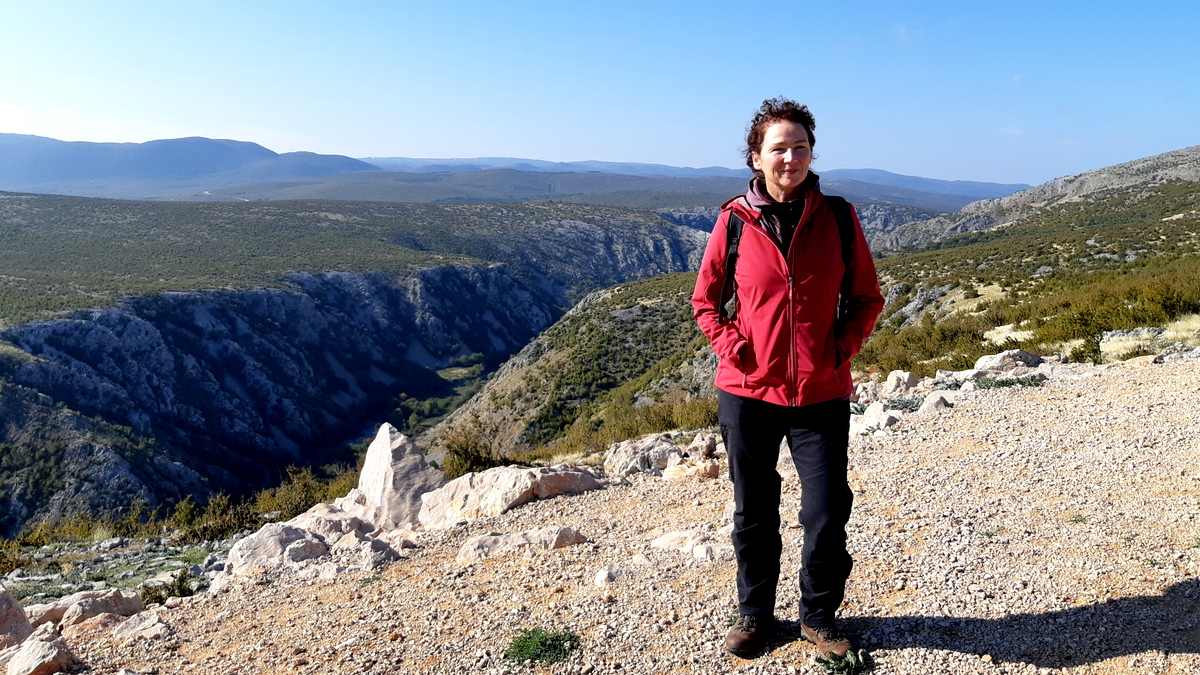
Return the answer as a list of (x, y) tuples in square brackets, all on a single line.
[(726, 341), (865, 301)]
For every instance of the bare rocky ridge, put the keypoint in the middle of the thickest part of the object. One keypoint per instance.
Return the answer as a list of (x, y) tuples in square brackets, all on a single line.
[(1022, 530), (986, 214)]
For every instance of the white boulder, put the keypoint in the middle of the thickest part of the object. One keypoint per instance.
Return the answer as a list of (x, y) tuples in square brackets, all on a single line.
[(679, 468), (646, 454), (546, 538), (1007, 360), (935, 401), (492, 492), (899, 382), (330, 522), (393, 478), (364, 552), (14, 625), (122, 603), (271, 547), (41, 657), (142, 626)]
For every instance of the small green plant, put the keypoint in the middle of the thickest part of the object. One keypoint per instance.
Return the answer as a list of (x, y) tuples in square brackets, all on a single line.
[(1079, 519), (180, 586), (854, 661), (536, 644), (468, 449), (1035, 380), (905, 403)]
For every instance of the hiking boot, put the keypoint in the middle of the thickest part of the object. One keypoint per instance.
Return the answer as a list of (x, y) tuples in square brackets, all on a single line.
[(828, 639), (748, 636)]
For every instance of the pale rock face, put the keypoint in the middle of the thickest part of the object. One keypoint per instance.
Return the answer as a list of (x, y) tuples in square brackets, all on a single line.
[(393, 478), (14, 625), (364, 552), (874, 418), (492, 492), (122, 603), (968, 386), (681, 469), (646, 454), (935, 401), (143, 626), (329, 522), (40, 657), (271, 547), (706, 445), (899, 382), (1008, 360), (866, 392), (546, 538), (90, 628), (698, 544), (53, 611)]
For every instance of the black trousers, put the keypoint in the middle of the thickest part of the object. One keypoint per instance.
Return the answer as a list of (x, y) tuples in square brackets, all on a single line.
[(818, 436)]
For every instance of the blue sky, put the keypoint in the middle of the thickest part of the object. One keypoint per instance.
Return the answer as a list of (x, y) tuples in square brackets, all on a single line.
[(1012, 92)]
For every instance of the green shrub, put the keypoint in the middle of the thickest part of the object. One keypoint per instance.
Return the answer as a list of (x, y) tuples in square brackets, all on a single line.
[(180, 586), (468, 448), (11, 556), (536, 644), (1035, 380), (298, 492)]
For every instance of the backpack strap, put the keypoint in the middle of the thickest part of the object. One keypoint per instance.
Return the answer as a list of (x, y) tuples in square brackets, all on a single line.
[(733, 236), (845, 223)]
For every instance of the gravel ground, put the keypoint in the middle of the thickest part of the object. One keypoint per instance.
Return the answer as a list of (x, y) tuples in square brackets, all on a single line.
[(1049, 529)]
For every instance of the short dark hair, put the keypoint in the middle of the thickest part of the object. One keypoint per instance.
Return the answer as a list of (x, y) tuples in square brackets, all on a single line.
[(775, 110)]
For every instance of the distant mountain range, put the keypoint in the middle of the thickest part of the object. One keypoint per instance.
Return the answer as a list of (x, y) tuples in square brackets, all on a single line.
[(205, 169)]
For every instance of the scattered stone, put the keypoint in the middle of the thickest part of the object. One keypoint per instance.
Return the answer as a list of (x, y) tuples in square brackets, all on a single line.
[(935, 401), (899, 382), (648, 454), (122, 603), (679, 468), (144, 626), (484, 546)]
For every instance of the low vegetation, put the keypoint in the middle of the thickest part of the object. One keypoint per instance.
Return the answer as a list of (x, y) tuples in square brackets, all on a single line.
[(541, 646)]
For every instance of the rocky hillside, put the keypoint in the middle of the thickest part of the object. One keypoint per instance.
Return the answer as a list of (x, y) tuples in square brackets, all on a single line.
[(1133, 178), (1041, 527), (186, 392)]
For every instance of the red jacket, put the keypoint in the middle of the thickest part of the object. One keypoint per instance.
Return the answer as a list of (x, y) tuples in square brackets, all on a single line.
[(786, 346)]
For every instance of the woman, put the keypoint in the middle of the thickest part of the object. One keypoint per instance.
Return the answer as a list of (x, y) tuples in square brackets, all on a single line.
[(805, 298)]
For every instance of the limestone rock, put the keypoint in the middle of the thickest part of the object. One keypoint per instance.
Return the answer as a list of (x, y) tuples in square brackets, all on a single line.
[(607, 575), (1007, 360), (14, 625), (122, 603), (899, 382), (53, 611), (41, 657), (679, 469), (364, 552), (271, 547), (329, 522), (393, 478), (546, 538), (696, 543), (648, 453), (143, 626), (92, 627), (935, 401), (705, 445), (494, 491)]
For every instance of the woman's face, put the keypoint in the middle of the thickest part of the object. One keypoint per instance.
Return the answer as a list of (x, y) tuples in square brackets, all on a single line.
[(783, 158)]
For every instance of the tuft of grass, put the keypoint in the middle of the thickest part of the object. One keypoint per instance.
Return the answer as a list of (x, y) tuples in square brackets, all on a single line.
[(855, 661), (1079, 519), (537, 644), (1035, 380)]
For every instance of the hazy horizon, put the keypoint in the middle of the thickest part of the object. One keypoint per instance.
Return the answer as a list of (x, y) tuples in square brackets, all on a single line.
[(981, 94)]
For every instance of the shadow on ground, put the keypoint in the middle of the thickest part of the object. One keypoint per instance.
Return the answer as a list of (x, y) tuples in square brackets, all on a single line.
[(1071, 637)]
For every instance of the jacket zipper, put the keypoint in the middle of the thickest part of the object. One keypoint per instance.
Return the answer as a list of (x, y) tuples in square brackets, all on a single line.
[(792, 386)]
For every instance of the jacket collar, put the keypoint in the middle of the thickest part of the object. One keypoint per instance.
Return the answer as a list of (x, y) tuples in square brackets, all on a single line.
[(758, 197)]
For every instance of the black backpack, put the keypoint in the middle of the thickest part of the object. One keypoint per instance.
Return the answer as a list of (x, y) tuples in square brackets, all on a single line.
[(733, 237)]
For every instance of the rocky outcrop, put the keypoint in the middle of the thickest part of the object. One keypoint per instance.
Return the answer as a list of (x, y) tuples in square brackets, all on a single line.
[(649, 453), (14, 626), (393, 478), (494, 491), (219, 391), (271, 547)]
